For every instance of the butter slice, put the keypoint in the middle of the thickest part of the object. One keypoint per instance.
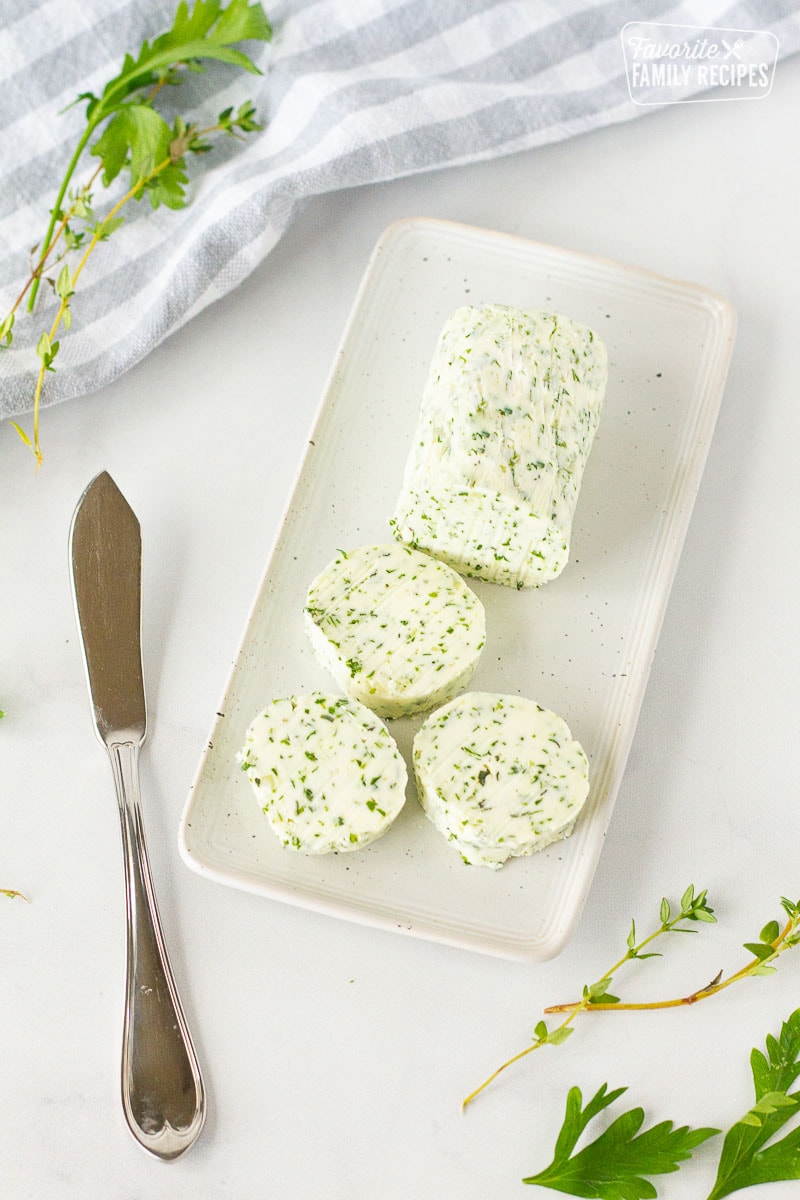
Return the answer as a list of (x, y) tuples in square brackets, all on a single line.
[(499, 776), (398, 631), (327, 774)]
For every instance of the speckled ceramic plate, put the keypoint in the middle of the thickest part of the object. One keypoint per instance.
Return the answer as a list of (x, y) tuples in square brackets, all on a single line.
[(582, 645)]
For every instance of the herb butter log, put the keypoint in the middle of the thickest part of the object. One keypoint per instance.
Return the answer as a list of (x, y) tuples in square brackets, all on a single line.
[(398, 630), (499, 776), (327, 773), (507, 420)]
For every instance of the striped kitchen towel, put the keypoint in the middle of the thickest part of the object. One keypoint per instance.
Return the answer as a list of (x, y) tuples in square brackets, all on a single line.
[(352, 92)]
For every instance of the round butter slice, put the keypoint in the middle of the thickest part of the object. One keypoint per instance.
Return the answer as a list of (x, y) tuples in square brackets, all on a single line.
[(326, 771), (397, 630), (499, 776)]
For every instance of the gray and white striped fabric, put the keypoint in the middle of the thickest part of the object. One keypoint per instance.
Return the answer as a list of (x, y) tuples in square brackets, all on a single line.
[(353, 92)]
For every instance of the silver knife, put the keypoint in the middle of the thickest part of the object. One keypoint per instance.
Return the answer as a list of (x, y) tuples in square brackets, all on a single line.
[(162, 1089)]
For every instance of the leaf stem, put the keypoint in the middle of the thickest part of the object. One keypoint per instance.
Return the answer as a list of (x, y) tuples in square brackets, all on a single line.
[(62, 191), (575, 1008), (693, 907), (96, 237), (522, 1053), (779, 945), (52, 236), (536, 1045), (208, 33), (50, 247)]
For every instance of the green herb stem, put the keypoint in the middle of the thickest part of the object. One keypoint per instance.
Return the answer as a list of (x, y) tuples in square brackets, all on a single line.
[(56, 209), (754, 967), (97, 236), (51, 245), (693, 907), (102, 112), (578, 1006), (53, 235), (135, 136)]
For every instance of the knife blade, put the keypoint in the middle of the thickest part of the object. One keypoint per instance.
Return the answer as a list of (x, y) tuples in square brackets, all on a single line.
[(162, 1088), (106, 556)]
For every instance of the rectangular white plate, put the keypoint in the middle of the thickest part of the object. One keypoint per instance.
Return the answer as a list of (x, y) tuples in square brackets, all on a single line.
[(582, 645)]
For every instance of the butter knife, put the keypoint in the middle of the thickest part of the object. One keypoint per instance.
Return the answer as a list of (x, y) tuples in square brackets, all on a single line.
[(162, 1089)]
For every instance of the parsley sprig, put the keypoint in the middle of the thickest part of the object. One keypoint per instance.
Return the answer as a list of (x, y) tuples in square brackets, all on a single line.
[(746, 1157), (618, 1163), (133, 137), (773, 941), (614, 1165)]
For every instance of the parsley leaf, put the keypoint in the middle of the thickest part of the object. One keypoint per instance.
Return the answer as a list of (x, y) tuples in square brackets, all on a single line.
[(746, 1158), (208, 31), (137, 130), (614, 1165)]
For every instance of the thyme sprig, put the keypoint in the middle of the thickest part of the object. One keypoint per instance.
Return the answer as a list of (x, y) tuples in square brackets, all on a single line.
[(693, 907), (132, 136), (773, 941)]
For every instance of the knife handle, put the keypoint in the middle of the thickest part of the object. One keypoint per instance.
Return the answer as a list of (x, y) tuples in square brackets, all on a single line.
[(162, 1088)]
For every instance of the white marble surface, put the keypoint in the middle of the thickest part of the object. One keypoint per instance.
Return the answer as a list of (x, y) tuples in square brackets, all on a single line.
[(336, 1056)]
